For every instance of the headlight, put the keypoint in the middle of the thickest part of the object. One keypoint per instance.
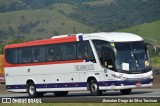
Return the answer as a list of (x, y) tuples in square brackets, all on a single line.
[(120, 77), (124, 78)]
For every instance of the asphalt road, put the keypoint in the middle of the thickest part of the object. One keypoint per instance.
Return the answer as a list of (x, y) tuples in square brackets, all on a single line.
[(85, 96)]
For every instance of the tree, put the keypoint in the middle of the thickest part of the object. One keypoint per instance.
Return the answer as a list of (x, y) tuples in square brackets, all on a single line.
[(55, 33)]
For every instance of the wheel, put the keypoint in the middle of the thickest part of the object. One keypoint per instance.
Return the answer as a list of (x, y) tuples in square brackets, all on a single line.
[(31, 89), (61, 93), (125, 91), (94, 88)]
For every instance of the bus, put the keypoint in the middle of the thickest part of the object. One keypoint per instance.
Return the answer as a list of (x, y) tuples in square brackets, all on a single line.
[(96, 62)]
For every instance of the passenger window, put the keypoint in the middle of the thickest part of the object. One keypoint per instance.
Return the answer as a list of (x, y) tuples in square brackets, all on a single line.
[(98, 45), (71, 51), (25, 55), (38, 54), (11, 56), (54, 53), (84, 51)]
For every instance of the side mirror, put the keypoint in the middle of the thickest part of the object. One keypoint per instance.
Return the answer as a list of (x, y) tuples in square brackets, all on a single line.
[(113, 49), (153, 46)]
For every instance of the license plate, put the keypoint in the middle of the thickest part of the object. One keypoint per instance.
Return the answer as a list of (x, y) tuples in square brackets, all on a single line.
[(138, 84)]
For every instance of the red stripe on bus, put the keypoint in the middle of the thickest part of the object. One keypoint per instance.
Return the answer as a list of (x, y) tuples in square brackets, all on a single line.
[(43, 42), (41, 63)]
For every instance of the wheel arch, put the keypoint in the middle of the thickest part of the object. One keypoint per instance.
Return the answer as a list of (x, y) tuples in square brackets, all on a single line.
[(89, 79), (28, 81)]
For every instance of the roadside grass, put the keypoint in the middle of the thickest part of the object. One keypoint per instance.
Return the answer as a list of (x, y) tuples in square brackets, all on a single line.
[(86, 104), (156, 61)]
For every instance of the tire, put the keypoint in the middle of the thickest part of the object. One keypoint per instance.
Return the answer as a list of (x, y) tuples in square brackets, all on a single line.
[(125, 91), (94, 88), (31, 89), (61, 93)]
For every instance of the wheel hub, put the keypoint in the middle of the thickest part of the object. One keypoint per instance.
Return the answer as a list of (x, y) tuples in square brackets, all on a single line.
[(94, 87), (31, 90)]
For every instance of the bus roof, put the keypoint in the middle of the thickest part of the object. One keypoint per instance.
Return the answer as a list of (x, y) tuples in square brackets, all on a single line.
[(115, 36), (108, 36), (43, 42)]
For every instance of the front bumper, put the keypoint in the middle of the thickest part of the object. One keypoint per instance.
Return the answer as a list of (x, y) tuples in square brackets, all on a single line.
[(126, 84)]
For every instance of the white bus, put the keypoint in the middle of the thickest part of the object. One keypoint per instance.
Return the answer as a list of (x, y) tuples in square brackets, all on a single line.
[(96, 62)]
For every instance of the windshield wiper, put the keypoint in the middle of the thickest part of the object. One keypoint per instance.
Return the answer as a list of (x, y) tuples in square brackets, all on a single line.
[(136, 60)]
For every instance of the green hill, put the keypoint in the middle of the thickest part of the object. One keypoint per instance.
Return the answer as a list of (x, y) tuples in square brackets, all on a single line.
[(110, 15), (99, 2), (150, 31), (41, 23)]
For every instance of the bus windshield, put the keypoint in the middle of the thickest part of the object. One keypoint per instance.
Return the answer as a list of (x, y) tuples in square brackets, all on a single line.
[(132, 57)]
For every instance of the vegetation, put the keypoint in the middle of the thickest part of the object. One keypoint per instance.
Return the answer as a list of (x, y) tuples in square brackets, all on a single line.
[(99, 2), (17, 39), (34, 4), (8, 5), (150, 31), (34, 24), (119, 14)]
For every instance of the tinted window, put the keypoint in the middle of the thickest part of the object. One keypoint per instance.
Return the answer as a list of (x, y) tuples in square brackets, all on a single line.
[(71, 51), (138, 45), (61, 52), (25, 55), (84, 51), (123, 46), (11, 55), (98, 46), (49, 53), (38, 54), (54, 52)]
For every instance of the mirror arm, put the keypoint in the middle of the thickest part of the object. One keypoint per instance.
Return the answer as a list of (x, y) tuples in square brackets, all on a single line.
[(154, 47), (115, 52)]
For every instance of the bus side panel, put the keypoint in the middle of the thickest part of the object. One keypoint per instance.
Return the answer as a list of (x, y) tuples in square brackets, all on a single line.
[(55, 77)]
